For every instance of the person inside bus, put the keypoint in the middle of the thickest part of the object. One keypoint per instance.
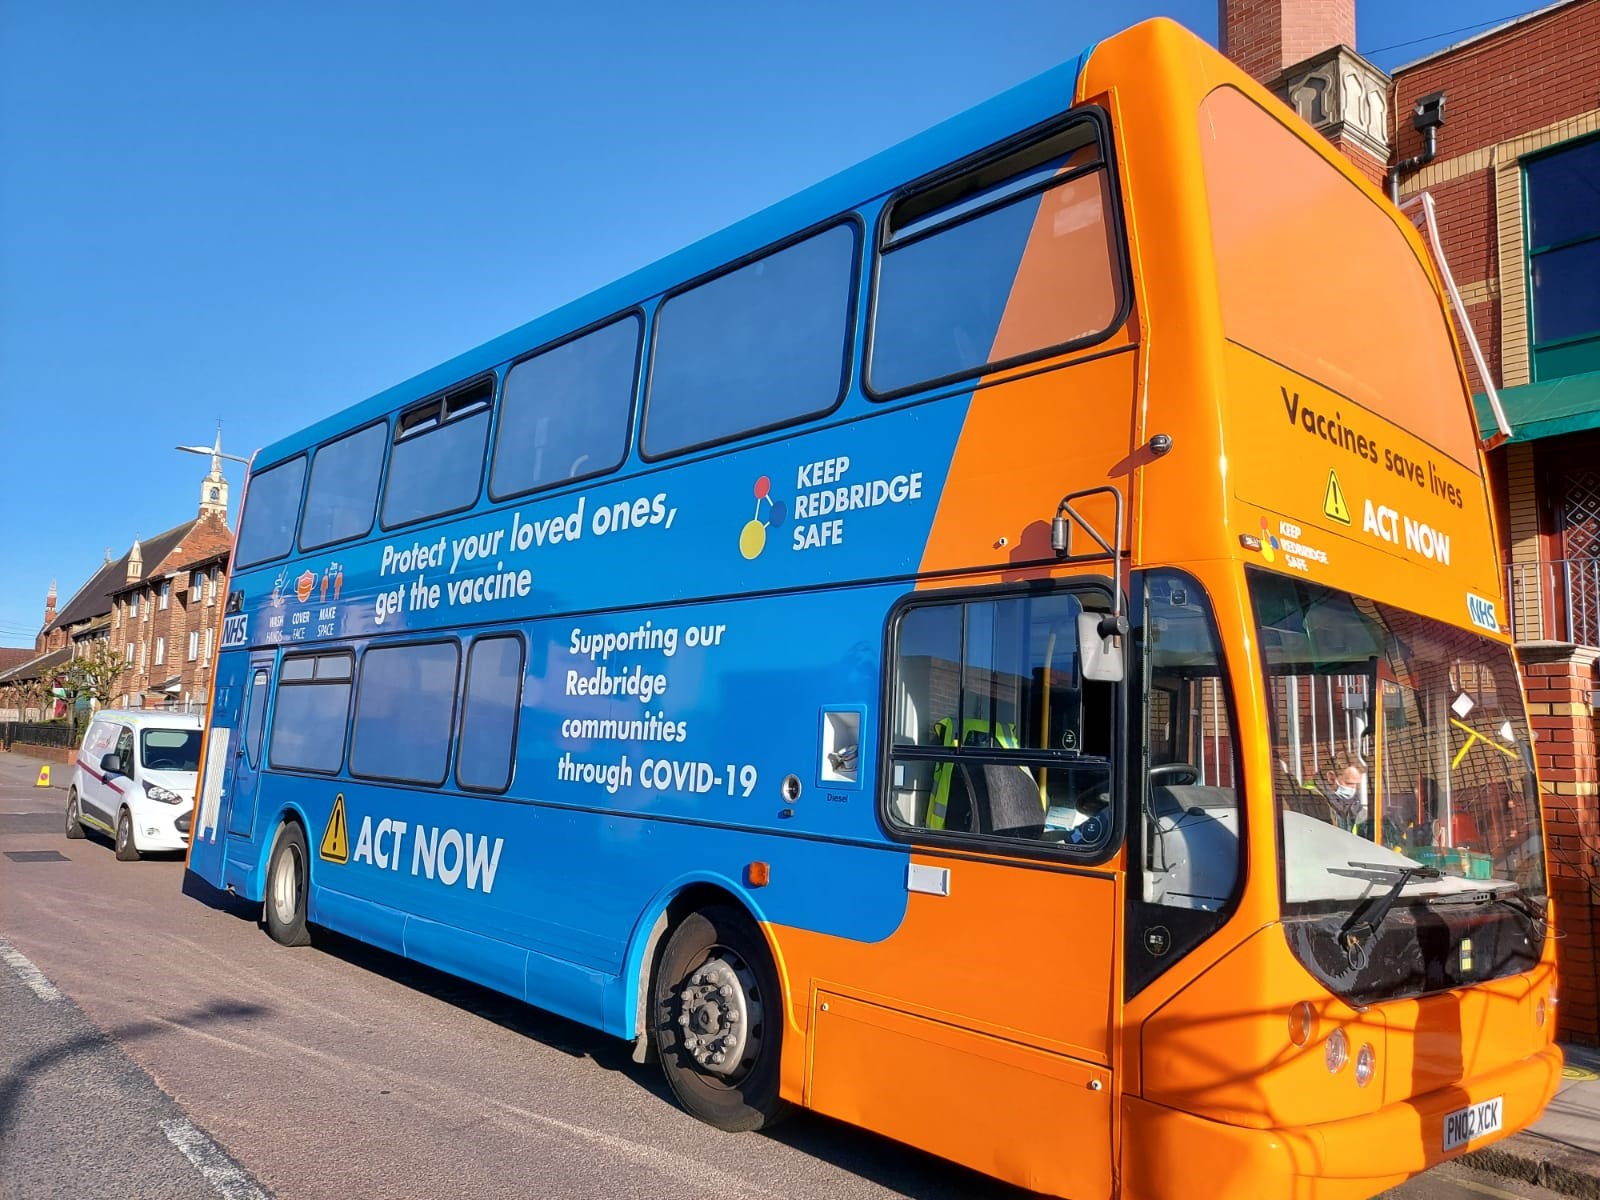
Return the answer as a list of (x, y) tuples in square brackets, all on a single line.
[(1341, 783)]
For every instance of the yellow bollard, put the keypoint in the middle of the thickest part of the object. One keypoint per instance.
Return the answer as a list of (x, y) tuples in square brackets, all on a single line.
[(44, 776)]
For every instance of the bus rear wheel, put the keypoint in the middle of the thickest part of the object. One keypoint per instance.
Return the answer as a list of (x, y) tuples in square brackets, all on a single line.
[(287, 883), (719, 1020)]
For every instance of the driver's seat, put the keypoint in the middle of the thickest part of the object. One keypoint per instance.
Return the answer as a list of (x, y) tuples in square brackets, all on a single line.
[(999, 798)]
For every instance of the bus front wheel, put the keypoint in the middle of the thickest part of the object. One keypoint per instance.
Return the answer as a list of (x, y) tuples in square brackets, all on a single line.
[(287, 882), (719, 1020)]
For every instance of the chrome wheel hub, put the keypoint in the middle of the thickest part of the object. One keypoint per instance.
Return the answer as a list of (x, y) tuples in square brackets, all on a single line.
[(720, 1013), (286, 886)]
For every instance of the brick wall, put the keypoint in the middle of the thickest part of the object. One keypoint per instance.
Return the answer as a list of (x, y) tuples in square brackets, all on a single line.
[(1560, 680), (1265, 36), (1505, 94)]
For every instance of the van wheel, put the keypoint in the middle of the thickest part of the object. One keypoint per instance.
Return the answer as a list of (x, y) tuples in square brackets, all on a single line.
[(287, 883), (718, 1022), (74, 820), (127, 848)]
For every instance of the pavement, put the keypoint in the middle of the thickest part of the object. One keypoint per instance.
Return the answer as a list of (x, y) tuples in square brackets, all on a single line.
[(1559, 1152)]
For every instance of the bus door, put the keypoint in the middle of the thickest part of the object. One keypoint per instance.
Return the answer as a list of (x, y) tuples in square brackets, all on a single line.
[(981, 1028), (245, 768)]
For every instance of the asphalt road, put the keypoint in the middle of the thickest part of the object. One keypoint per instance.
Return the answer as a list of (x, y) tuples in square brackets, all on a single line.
[(159, 1044)]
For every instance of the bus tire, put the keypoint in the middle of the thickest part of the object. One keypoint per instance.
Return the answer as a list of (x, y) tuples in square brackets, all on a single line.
[(288, 881), (74, 819), (718, 1020), (127, 847)]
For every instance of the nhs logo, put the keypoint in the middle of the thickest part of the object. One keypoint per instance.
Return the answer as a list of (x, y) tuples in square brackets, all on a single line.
[(1482, 613), (235, 630)]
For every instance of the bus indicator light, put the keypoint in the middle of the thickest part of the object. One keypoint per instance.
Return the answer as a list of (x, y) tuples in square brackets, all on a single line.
[(758, 874), (1302, 1023)]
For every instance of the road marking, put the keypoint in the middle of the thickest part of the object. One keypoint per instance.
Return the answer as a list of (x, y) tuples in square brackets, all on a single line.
[(30, 974), (220, 1171)]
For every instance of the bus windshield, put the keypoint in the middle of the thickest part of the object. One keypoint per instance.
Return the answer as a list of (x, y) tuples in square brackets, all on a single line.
[(1403, 780)]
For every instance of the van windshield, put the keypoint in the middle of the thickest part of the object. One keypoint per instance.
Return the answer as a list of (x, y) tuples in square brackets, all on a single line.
[(170, 749)]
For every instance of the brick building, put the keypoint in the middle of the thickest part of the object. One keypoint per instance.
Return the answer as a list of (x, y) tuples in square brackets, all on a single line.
[(157, 603), (1503, 131)]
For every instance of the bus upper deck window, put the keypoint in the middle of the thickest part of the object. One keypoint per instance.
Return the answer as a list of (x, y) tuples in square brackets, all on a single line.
[(436, 466), (1013, 259)]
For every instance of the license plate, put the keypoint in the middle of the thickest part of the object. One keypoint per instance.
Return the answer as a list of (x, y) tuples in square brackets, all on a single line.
[(1467, 1124)]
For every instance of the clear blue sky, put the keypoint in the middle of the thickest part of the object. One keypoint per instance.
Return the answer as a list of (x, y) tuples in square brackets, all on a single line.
[(261, 213)]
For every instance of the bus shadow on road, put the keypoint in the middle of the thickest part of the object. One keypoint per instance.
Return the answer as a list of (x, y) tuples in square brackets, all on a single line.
[(93, 1041), (198, 889), (907, 1171)]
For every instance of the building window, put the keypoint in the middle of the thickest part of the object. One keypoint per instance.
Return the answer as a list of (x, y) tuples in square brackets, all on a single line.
[(161, 651), (212, 576), (194, 644), (129, 655), (133, 606), (164, 594), (196, 582), (208, 646), (1564, 259)]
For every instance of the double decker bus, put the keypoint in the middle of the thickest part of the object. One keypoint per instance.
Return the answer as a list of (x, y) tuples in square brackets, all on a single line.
[(1004, 648)]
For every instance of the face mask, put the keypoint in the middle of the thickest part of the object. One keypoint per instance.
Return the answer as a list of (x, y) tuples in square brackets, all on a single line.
[(1345, 792)]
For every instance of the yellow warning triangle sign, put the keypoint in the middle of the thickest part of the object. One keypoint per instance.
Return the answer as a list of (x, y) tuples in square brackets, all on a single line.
[(336, 838), (1333, 505), (44, 776)]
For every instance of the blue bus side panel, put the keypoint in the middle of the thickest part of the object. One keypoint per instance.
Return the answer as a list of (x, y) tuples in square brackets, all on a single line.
[(557, 875)]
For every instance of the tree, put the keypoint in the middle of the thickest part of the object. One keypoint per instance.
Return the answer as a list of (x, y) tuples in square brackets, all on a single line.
[(93, 675), (32, 694)]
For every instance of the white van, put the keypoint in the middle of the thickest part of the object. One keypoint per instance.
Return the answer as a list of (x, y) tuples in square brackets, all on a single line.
[(135, 780)]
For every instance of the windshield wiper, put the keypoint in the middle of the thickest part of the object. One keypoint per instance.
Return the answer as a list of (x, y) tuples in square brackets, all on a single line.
[(1363, 924)]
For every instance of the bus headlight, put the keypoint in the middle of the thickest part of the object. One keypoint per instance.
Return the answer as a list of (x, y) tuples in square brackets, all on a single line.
[(1338, 1051), (1366, 1063), (1302, 1023)]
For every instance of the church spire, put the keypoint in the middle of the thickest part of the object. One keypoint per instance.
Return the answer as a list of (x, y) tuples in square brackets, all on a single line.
[(214, 487)]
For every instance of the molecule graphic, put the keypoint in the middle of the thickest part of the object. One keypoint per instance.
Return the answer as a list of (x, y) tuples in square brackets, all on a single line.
[(1269, 544), (753, 538)]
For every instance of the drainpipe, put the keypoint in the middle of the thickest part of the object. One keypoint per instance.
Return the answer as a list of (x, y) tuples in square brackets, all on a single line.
[(1426, 117)]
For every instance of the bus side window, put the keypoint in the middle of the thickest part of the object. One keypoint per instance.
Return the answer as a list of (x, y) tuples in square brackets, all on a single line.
[(564, 412), (1186, 845), (436, 466), (993, 732)]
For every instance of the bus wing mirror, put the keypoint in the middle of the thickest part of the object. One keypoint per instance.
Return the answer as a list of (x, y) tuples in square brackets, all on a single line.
[(1100, 646)]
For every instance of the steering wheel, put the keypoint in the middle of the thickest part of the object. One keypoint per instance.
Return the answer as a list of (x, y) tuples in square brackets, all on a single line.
[(1175, 774)]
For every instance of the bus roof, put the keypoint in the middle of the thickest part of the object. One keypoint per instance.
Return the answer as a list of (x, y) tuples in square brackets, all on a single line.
[(1021, 107)]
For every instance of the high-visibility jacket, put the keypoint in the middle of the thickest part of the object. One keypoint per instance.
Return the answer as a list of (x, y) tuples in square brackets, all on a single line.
[(975, 731)]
